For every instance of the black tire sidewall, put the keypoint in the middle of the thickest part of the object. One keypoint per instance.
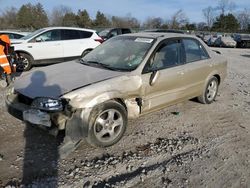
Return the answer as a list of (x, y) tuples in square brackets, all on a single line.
[(85, 53), (205, 93), (94, 114), (29, 59)]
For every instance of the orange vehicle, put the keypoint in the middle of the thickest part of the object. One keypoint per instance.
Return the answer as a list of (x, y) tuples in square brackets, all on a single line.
[(7, 66)]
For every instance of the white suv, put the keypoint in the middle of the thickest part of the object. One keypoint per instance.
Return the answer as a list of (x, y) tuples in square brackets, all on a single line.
[(55, 44)]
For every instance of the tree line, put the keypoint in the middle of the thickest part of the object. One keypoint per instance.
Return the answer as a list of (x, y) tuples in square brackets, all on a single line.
[(221, 17)]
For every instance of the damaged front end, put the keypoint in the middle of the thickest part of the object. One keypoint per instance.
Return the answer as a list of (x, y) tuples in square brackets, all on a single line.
[(44, 112)]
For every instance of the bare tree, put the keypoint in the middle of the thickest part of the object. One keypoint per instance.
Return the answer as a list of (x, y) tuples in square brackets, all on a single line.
[(58, 13), (209, 15), (226, 5), (178, 19), (202, 26), (152, 23), (8, 18), (244, 19), (125, 22)]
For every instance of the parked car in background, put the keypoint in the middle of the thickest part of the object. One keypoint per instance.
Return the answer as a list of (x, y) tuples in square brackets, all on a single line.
[(55, 44), (164, 31), (13, 34), (125, 77), (243, 40), (206, 37), (111, 32), (225, 42), (211, 40)]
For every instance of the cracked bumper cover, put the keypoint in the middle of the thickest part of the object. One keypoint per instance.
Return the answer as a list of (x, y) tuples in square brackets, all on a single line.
[(26, 113), (14, 108)]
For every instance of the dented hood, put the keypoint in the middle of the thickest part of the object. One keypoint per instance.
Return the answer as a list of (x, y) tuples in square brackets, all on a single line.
[(56, 80)]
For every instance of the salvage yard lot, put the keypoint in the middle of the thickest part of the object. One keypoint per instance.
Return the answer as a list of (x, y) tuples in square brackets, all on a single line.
[(186, 145)]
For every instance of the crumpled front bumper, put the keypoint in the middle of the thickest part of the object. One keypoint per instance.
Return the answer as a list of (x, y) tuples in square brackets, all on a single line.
[(25, 112), (15, 108)]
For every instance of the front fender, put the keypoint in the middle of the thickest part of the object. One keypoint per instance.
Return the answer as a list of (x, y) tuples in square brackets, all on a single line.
[(103, 97)]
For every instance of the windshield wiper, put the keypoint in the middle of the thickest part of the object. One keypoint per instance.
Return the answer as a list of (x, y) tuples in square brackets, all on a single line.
[(100, 65)]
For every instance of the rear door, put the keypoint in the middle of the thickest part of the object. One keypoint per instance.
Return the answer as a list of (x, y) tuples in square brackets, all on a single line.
[(75, 42), (168, 87), (198, 66), (46, 46)]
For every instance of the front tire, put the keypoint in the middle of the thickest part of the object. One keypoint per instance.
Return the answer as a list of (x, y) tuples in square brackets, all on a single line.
[(210, 92), (108, 122)]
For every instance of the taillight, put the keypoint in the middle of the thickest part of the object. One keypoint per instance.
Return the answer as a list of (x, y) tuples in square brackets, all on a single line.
[(99, 40)]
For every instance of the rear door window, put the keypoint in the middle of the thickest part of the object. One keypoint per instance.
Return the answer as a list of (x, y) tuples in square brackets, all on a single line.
[(124, 31), (194, 51), (70, 34)]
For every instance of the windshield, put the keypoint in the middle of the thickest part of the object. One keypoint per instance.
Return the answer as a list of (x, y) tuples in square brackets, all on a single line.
[(123, 53), (104, 33), (32, 34)]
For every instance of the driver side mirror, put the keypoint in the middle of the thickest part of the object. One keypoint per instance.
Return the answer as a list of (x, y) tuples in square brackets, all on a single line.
[(38, 40), (153, 77)]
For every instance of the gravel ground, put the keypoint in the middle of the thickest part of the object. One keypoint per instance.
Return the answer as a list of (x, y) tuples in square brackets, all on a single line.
[(201, 146)]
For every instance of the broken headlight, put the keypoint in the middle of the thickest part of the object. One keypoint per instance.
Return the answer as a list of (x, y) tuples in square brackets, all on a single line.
[(47, 104)]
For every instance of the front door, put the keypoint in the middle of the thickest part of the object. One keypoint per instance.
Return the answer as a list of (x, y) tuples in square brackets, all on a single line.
[(167, 88), (46, 46)]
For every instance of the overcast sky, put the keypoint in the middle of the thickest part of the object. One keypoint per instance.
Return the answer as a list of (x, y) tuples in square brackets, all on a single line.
[(140, 9)]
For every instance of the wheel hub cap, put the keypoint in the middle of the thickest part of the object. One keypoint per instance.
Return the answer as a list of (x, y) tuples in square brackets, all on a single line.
[(108, 125)]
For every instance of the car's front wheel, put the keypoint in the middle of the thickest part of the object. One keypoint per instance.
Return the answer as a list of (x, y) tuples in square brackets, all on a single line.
[(108, 122), (210, 91)]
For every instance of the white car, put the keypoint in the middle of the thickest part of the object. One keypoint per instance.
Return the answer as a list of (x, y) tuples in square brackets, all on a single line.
[(55, 45), (13, 34), (225, 42)]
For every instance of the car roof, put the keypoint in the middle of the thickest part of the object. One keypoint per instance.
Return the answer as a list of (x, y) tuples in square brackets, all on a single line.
[(77, 28), (164, 31), (156, 35)]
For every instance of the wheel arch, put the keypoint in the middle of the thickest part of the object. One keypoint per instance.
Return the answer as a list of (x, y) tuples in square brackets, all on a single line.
[(25, 52), (86, 50), (218, 78)]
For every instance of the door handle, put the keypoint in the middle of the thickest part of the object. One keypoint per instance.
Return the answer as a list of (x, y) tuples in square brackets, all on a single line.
[(30, 46), (181, 73)]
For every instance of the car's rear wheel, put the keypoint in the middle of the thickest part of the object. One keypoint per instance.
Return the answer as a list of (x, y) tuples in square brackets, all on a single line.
[(108, 122), (210, 91), (85, 52), (27, 62)]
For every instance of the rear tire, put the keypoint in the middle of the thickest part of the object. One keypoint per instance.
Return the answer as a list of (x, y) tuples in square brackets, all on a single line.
[(27, 61), (85, 52), (210, 92), (108, 122)]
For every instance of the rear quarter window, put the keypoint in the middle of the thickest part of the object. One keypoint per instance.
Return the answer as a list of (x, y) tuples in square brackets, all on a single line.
[(85, 34)]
